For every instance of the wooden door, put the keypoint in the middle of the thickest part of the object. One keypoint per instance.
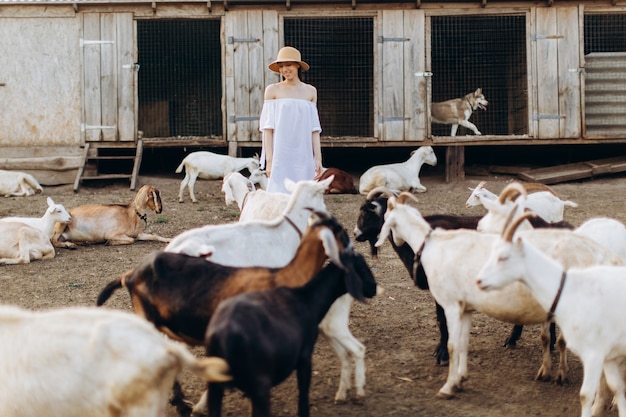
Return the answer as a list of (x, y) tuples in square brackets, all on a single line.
[(109, 77), (402, 108), (556, 43)]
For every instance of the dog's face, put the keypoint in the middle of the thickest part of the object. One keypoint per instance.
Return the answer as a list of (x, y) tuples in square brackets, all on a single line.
[(479, 99)]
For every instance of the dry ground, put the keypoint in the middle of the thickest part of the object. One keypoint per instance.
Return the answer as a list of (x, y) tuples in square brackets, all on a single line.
[(398, 328)]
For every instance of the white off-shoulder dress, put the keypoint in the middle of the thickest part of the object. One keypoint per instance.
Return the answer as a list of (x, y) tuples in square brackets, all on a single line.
[(293, 121)]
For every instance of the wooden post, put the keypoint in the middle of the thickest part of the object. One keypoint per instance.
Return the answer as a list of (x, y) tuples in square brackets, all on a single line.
[(455, 163)]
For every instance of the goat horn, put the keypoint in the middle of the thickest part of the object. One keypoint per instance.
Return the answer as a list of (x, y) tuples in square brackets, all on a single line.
[(480, 185), (375, 192), (509, 231), (511, 192), (537, 186), (403, 197)]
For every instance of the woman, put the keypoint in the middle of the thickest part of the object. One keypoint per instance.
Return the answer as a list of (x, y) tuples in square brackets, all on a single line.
[(290, 124)]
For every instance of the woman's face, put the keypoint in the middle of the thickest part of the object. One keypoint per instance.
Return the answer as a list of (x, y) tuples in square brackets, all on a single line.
[(289, 70)]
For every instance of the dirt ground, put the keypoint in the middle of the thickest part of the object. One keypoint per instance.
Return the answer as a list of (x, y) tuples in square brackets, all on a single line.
[(398, 328)]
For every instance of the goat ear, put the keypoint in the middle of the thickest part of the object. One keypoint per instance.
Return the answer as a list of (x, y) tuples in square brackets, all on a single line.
[(50, 201), (354, 283), (330, 246)]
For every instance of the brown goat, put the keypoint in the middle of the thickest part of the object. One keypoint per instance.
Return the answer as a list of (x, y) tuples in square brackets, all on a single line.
[(179, 293), (342, 184), (115, 224)]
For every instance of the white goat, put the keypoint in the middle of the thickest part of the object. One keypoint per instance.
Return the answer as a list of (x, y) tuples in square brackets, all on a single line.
[(587, 304), (402, 176), (513, 197), (78, 362), (17, 184), (452, 258), (210, 166), (259, 177), (54, 213), (235, 188), (544, 201), (115, 224), (273, 243), (253, 204), (21, 243), (606, 231), (270, 243)]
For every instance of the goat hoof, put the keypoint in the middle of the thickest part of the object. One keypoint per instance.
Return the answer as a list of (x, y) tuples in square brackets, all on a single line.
[(543, 377), (359, 400), (444, 396)]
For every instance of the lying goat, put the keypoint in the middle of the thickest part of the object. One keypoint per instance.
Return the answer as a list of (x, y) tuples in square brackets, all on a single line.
[(114, 224), (342, 184), (78, 362), (18, 184), (542, 201), (55, 213), (180, 293), (586, 303), (20, 244), (452, 258), (266, 335), (402, 176), (210, 166)]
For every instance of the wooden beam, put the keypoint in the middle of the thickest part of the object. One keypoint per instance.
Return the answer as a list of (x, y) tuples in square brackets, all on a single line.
[(455, 163)]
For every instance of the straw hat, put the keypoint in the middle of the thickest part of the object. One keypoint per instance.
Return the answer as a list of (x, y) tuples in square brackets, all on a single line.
[(288, 54)]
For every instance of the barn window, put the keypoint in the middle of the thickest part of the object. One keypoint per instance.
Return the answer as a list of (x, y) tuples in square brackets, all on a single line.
[(340, 52), (605, 74), (487, 52), (180, 82)]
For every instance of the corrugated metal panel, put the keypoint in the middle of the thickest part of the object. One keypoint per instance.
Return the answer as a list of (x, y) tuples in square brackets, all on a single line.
[(605, 93)]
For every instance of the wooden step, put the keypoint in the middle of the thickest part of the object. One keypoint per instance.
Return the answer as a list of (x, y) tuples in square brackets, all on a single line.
[(88, 169)]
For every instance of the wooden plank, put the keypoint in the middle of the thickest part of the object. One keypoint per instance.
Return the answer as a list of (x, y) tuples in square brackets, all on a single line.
[(55, 163), (126, 115), (547, 78), (575, 171), (256, 87), (569, 77), (270, 43), (108, 75), (92, 91), (229, 75), (241, 74), (393, 83), (414, 84)]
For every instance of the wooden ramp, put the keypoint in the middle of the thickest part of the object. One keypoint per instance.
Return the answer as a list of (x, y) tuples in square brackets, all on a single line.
[(575, 171), (97, 154)]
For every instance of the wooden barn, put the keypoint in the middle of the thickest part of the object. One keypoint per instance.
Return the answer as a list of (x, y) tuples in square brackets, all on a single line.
[(83, 82)]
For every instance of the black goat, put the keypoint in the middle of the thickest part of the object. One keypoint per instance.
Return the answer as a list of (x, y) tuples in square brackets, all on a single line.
[(265, 335)]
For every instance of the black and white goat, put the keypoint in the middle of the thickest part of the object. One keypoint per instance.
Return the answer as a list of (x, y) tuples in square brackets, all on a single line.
[(266, 335)]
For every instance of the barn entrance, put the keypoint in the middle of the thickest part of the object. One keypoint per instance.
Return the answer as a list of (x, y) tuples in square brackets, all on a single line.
[(340, 52), (487, 52), (180, 78)]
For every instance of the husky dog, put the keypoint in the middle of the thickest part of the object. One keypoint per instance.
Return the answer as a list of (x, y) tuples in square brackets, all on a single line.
[(457, 111)]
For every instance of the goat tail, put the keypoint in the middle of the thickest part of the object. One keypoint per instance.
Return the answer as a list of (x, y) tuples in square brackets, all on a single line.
[(180, 167), (569, 203), (110, 288), (210, 369)]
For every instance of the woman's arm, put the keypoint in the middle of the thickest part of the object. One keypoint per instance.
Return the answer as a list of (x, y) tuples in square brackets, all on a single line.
[(268, 144)]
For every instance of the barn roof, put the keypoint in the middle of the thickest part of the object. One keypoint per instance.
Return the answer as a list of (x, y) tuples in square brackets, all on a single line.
[(418, 3)]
